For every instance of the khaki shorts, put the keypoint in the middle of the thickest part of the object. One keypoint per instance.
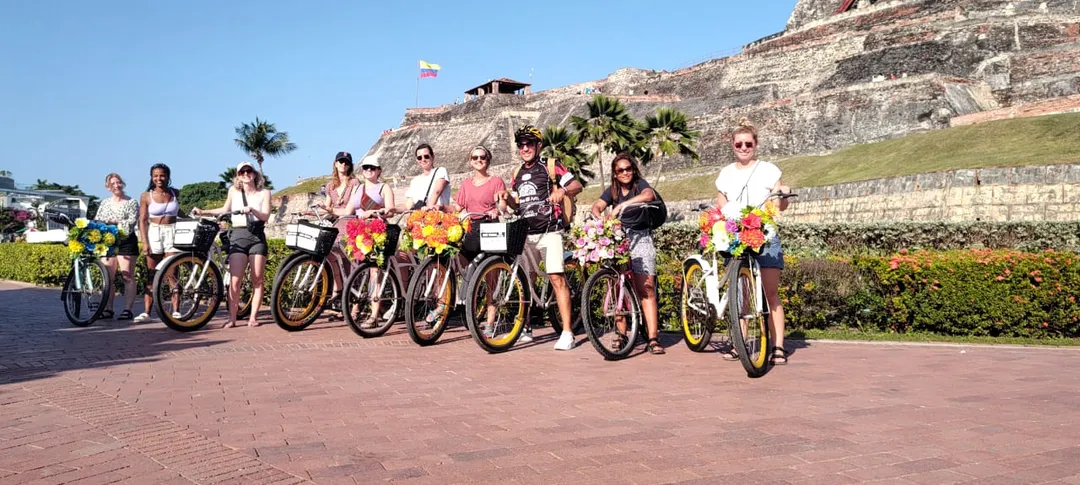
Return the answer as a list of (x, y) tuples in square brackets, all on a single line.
[(552, 246), (160, 238)]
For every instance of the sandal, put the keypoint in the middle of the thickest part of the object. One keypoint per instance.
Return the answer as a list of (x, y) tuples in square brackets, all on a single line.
[(779, 356), (125, 315), (369, 323), (730, 354), (654, 347), (435, 315), (107, 315), (620, 341)]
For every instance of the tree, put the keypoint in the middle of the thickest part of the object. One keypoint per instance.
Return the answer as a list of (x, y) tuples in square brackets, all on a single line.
[(91, 204), (608, 126), (667, 133), (229, 175), (204, 195), (261, 139), (565, 146)]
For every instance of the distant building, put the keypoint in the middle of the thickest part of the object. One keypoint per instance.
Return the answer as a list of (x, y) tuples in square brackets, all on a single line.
[(35, 200), (498, 86)]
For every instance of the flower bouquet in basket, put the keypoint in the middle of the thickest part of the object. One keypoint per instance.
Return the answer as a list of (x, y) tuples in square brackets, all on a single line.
[(93, 238), (598, 241), (434, 231), (732, 231), (367, 239)]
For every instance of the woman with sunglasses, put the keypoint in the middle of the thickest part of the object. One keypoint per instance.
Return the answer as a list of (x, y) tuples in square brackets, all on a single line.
[(247, 241), (369, 198), (159, 207), (432, 187), (748, 182), (343, 183), (477, 196), (628, 187)]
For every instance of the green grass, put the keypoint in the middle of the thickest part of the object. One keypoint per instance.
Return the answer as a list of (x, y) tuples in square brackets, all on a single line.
[(926, 337), (307, 187), (1044, 140)]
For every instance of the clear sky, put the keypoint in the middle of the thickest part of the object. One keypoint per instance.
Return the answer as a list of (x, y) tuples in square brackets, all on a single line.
[(92, 87)]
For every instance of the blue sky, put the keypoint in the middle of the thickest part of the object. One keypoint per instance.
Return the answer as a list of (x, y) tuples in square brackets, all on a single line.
[(90, 88)]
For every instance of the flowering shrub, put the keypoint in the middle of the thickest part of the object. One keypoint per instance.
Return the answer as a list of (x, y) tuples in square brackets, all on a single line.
[(365, 239), (597, 241), (435, 231), (733, 231), (93, 238)]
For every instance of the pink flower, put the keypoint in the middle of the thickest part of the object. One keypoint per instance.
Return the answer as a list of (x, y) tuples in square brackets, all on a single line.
[(751, 221), (703, 240), (731, 227), (605, 241)]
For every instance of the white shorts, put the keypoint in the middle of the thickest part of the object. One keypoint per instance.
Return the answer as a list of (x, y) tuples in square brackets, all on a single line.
[(551, 244), (161, 238)]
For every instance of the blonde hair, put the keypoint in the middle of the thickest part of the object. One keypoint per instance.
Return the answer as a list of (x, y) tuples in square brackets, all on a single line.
[(118, 177), (745, 126), (256, 180)]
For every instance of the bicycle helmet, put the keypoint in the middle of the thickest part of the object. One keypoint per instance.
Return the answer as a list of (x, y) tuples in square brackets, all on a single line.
[(528, 132)]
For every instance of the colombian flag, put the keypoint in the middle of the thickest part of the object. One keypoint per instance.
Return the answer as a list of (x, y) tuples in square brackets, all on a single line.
[(429, 70)]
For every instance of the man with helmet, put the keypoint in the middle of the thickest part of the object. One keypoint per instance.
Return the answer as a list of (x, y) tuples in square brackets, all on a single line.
[(539, 188)]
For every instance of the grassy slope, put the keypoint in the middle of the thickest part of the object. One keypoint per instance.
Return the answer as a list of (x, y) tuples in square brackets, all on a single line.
[(1044, 140), (307, 187)]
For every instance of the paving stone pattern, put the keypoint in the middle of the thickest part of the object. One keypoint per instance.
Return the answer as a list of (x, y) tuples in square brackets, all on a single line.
[(123, 403)]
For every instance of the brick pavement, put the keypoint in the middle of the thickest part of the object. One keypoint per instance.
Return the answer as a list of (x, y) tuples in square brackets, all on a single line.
[(124, 403)]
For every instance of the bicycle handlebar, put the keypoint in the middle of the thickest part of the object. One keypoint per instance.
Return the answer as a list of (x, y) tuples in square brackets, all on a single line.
[(773, 195)]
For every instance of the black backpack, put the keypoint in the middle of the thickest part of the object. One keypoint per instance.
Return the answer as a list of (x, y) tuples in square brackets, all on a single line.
[(641, 218)]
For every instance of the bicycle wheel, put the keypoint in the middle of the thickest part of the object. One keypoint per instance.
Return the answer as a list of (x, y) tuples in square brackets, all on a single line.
[(612, 314), (371, 300), (574, 279), (84, 300), (186, 296), (498, 305), (430, 300), (749, 327), (300, 292), (698, 315)]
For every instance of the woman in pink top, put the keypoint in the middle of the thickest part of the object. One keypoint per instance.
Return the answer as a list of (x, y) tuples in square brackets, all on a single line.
[(477, 195)]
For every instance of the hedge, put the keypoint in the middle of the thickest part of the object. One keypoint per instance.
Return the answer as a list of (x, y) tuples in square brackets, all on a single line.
[(973, 292)]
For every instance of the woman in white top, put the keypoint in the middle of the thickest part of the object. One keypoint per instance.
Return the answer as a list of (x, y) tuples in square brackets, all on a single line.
[(247, 239), (431, 188), (748, 182), (124, 212)]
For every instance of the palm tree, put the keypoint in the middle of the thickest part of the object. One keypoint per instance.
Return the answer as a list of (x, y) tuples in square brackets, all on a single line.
[(229, 175), (261, 139), (667, 133), (608, 126), (565, 146)]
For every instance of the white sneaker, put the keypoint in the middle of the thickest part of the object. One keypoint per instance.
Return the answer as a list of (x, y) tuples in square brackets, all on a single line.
[(142, 318), (566, 341), (526, 336), (177, 315)]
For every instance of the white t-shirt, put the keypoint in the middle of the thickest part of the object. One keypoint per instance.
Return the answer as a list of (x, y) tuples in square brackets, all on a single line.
[(419, 187), (748, 186)]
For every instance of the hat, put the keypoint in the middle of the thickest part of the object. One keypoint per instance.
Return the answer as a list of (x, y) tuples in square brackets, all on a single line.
[(371, 161), (343, 156), (240, 166)]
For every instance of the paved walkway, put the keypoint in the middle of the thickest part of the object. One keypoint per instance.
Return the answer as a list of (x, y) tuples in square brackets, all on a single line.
[(124, 403)]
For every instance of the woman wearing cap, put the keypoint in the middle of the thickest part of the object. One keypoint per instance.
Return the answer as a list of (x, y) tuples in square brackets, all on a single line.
[(371, 197), (159, 207), (124, 212), (247, 242), (339, 191), (431, 188)]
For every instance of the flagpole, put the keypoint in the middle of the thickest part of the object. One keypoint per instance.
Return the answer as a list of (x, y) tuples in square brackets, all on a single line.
[(416, 102)]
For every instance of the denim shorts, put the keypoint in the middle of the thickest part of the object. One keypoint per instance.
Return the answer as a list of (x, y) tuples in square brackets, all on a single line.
[(772, 256)]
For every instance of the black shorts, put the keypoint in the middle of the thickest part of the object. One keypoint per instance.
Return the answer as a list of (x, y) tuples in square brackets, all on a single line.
[(470, 243), (129, 246), (248, 240)]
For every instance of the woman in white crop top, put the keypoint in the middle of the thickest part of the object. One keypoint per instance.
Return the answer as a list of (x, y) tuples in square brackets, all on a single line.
[(748, 182), (247, 238), (159, 207)]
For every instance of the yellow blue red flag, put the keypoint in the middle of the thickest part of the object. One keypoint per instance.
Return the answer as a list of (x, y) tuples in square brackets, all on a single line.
[(428, 69)]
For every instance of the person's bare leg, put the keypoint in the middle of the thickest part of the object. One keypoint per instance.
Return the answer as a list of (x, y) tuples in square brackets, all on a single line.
[(258, 271)]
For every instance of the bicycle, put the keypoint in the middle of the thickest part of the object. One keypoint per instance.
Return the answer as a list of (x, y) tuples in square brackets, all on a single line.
[(507, 282), (301, 288), (198, 274), (613, 315), (709, 297), (360, 294), (437, 283), (87, 285)]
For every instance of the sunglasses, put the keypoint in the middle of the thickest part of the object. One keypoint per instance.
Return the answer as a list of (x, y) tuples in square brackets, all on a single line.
[(344, 161), (246, 171), (624, 170), (423, 157), (739, 144), (477, 157), (524, 144), (370, 168)]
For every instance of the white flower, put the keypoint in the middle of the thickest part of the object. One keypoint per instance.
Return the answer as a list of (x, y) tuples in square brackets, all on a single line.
[(731, 210), (770, 231)]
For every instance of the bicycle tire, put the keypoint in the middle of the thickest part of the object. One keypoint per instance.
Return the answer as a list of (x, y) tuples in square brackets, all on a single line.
[(311, 301), (698, 314), (73, 299), (575, 282), (478, 283), (418, 310), (350, 298), (742, 299), (596, 307), (211, 287)]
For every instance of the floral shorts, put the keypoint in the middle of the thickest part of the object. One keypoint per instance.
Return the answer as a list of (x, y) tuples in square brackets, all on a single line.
[(642, 252)]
